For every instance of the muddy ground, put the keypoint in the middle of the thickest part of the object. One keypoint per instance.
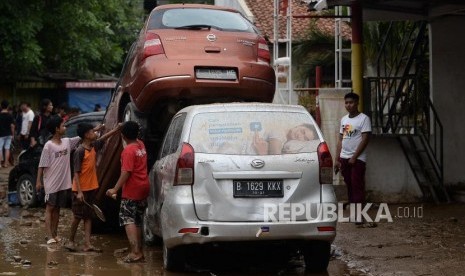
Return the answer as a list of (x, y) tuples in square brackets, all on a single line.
[(423, 239), (431, 245)]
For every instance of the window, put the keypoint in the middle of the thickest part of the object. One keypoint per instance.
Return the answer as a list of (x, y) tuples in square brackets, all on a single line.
[(218, 19), (71, 128), (253, 133), (173, 136)]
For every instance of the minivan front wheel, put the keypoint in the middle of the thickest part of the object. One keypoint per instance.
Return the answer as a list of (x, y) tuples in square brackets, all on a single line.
[(149, 237), (173, 258), (316, 255), (26, 190), (146, 232)]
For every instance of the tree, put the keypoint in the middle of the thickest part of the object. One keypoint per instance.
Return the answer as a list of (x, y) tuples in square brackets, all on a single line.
[(77, 37), (20, 51), (317, 49)]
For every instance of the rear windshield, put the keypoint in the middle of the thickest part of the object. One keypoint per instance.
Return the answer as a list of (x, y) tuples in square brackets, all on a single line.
[(253, 133), (217, 19)]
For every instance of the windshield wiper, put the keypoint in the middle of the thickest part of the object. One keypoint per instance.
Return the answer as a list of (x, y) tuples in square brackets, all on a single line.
[(194, 27)]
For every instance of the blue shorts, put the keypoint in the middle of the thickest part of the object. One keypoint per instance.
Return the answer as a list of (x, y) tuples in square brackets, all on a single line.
[(5, 142)]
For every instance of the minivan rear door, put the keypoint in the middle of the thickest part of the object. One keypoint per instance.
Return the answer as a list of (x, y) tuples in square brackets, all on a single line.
[(247, 160)]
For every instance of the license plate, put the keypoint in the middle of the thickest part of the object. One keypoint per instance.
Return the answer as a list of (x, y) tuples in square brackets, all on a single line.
[(258, 188), (215, 74)]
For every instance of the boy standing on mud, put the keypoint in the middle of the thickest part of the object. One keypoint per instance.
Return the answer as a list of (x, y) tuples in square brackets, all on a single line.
[(85, 184), (54, 169), (135, 183)]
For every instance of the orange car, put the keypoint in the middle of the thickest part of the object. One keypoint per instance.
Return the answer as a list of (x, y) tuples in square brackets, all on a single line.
[(185, 54)]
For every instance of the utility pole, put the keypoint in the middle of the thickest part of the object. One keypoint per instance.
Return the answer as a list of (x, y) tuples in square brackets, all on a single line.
[(283, 65), (357, 51)]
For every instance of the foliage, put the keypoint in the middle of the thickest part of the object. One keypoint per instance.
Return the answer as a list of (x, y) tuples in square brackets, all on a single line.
[(316, 50), (393, 34), (20, 51), (76, 37)]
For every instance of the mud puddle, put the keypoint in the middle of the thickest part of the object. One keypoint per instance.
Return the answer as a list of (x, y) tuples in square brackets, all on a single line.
[(23, 251)]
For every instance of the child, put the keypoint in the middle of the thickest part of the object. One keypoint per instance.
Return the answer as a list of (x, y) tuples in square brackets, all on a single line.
[(85, 184), (135, 183), (54, 169)]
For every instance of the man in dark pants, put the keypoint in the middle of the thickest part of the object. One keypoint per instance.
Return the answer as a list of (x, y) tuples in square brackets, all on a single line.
[(354, 135)]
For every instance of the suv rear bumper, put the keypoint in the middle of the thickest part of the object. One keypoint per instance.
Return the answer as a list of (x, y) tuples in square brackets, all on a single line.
[(176, 80)]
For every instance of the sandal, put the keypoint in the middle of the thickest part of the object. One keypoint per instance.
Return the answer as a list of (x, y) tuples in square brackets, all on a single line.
[(70, 246), (130, 260), (51, 241)]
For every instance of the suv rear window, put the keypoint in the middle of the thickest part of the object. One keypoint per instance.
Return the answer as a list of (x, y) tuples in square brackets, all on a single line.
[(218, 19), (251, 133)]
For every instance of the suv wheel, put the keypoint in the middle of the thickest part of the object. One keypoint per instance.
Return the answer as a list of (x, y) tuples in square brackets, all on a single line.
[(128, 114), (317, 255), (131, 114), (173, 258), (26, 190)]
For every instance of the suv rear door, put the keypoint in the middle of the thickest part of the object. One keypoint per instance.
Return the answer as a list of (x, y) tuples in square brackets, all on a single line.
[(207, 33)]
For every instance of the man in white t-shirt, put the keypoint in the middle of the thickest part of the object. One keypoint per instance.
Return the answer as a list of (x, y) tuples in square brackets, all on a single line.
[(354, 135), (28, 117)]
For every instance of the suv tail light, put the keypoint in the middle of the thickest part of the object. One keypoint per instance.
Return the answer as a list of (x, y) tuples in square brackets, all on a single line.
[(263, 50), (152, 45), (325, 163), (185, 166)]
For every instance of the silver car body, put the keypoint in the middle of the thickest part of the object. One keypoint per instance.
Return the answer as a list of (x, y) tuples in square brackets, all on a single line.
[(222, 137)]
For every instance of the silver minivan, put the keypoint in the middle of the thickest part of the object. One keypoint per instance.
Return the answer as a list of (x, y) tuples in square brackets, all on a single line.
[(242, 172)]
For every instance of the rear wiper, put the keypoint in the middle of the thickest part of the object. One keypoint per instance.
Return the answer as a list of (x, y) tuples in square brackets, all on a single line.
[(194, 27)]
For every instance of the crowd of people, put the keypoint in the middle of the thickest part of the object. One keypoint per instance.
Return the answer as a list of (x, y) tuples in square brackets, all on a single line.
[(54, 176), (22, 128), (46, 128)]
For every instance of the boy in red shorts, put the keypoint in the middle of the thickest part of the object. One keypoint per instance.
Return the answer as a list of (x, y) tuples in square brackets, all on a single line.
[(135, 183)]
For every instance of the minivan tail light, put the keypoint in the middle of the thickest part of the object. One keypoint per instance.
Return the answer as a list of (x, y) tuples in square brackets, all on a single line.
[(188, 230), (325, 164), (152, 45), (263, 50), (185, 166), (326, 228)]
